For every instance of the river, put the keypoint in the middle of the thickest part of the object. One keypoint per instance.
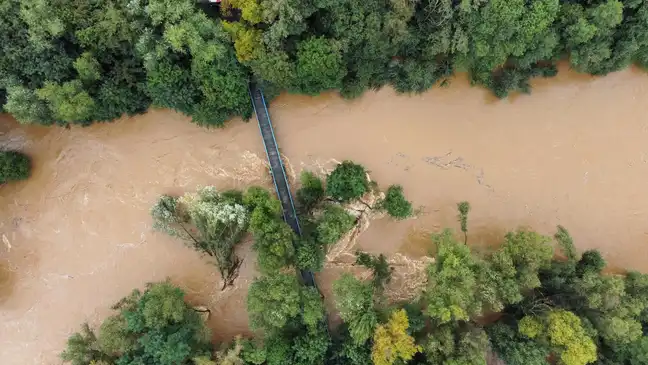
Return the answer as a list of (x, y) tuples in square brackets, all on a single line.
[(77, 236)]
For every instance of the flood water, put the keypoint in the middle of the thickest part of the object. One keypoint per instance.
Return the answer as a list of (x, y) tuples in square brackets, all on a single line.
[(77, 236)]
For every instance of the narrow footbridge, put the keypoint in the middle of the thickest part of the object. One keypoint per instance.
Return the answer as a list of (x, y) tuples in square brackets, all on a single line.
[(277, 168)]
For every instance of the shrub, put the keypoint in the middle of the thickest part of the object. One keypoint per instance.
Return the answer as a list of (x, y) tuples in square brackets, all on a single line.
[(310, 193), (348, 181), (395, 203), (333, 224), (14, 166), (591, 261)]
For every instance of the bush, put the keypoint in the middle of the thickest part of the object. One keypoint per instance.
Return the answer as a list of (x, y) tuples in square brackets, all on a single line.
[(14, 166), (310, 193), (348, 181), (333, 224), (591, 261), (395, 203)]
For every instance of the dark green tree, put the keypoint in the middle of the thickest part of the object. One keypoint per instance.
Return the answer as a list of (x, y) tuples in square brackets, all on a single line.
[(14, 166), (348, 181), (154, 326), (381, 271), (395, 203), (515, 349), (310, 193)]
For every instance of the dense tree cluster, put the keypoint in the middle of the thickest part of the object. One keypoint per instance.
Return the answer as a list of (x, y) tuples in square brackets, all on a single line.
[(290, 315), (327, 210), (14, 166), (551, 310), (151, 327), (82, 61)]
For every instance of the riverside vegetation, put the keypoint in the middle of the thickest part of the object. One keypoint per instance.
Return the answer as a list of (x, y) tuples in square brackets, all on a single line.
[(14, 166), (82, 61), (531, 300)]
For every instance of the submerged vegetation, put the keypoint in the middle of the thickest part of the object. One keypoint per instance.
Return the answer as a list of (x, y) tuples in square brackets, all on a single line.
[(83, 61)]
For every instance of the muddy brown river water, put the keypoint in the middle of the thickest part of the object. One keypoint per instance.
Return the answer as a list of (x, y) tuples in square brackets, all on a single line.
[(77, 236)]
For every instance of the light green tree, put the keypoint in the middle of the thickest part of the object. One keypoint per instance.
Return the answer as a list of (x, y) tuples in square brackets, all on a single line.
[(273, 300), (354, 300), (209, 222), (333, 224), (564, 333)]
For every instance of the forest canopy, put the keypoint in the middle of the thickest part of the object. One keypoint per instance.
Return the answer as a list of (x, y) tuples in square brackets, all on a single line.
[(82, 61)]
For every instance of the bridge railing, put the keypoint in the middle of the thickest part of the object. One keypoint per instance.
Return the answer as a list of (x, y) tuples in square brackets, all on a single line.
[(283, 169)]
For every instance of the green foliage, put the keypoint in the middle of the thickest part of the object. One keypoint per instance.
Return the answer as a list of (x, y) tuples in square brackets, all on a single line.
[(310, 348), (26, 106), (14, 166), (68, 101), (209, 222), (636, 353), (591, 261), (564, 333), (515, 349), (451, 293), (253, 354), (449, 344), (313, 308), (82, 347), (273, 301), (87, 67), (309, 254), (395, 203), (155, 326), (544, 308), (514, 268), (319, 66), (310, 193), (347, 182), (100, 60), (464, 208), (273, 238), (354, 300), (333, 224), (170, 86), (379, 267)]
